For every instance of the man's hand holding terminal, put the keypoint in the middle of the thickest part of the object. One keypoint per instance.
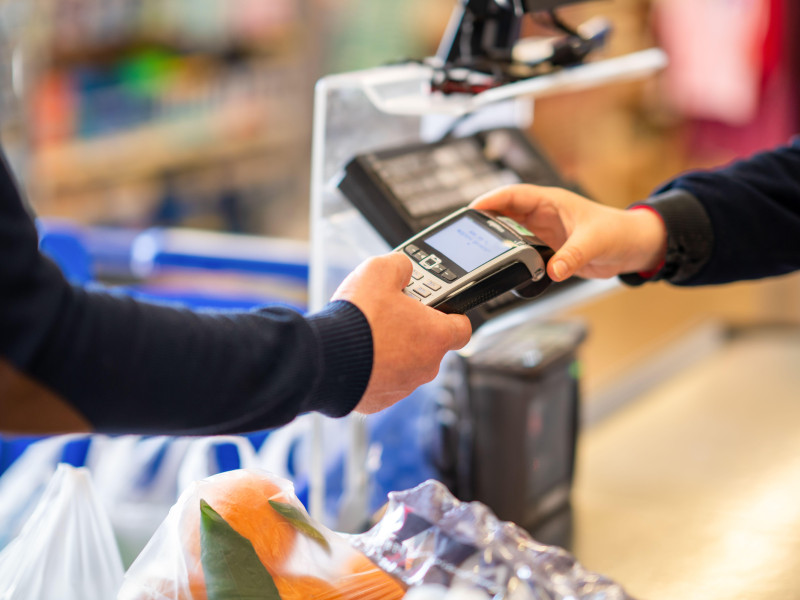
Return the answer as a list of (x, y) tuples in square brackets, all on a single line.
[(409, 339)]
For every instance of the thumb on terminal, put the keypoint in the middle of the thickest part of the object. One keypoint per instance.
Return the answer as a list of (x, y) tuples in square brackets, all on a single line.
[(566, 262), (558, 269), (394, 268), (461, 329)]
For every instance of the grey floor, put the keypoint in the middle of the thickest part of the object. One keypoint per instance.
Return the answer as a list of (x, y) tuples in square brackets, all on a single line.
[(693, 491)]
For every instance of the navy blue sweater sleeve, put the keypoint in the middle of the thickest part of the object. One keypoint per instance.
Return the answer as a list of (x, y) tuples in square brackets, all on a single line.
[(128, 366), (734, 223)]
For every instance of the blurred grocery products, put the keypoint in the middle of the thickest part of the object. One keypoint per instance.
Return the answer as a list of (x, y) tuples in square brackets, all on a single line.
[(142, 112), (183, 112)]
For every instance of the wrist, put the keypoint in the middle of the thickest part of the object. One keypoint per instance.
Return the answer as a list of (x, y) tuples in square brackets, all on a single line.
[(651, 241), (345, 344)]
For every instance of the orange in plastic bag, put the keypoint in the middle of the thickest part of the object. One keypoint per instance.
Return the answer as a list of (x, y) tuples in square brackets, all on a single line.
[(243, 535), (244, 504), (365, 581)]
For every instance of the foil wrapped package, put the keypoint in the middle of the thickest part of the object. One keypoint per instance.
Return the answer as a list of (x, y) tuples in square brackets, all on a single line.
[(428, 537)]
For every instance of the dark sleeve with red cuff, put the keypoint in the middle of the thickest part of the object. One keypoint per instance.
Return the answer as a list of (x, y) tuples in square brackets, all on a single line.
[(734, 223), (133, 367)]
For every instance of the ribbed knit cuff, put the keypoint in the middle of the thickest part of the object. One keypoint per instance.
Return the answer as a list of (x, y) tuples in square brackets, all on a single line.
[(690, 237), (345, 340)]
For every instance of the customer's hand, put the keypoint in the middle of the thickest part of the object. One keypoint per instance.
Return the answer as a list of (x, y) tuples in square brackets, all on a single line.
[(590, 239), (409, 339)]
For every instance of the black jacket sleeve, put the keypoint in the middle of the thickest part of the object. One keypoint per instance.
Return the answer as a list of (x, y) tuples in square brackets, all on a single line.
[(734, 223), (127, 366)]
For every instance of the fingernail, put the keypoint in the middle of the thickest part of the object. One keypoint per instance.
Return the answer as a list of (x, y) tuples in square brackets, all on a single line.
[(560, 269)]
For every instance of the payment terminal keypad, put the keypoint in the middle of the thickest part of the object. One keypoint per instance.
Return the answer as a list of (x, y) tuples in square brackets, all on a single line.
[(427, 268)]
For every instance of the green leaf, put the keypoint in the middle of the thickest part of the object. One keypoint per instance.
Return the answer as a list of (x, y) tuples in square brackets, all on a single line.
[(231, 566), (299, 521)]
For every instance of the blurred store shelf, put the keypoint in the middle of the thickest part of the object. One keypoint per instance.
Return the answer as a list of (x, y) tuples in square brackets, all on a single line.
[(159, 147), (133, 95)]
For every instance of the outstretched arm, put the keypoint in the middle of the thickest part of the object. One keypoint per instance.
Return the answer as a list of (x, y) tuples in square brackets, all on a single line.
[(737, 222), (752, 208), (127, 366)]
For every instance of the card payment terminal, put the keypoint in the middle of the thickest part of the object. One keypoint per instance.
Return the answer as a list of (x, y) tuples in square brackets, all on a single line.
[(473, 256)]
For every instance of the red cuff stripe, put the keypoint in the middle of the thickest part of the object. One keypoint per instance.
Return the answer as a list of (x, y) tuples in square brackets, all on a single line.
[(651, 273)]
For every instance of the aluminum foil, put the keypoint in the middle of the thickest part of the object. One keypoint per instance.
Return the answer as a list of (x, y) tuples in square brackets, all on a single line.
[(427, 536)]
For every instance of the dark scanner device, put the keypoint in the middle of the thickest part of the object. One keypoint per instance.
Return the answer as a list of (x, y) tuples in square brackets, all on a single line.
[(482, 33)]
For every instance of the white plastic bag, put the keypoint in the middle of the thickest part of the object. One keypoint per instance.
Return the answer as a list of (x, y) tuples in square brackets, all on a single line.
[(139, 478), (24, 481), (200, 460), (66, 549), (136, 479), (285, 451)]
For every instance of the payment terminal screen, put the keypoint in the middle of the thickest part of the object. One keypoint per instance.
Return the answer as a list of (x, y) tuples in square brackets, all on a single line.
[(468, 244)]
